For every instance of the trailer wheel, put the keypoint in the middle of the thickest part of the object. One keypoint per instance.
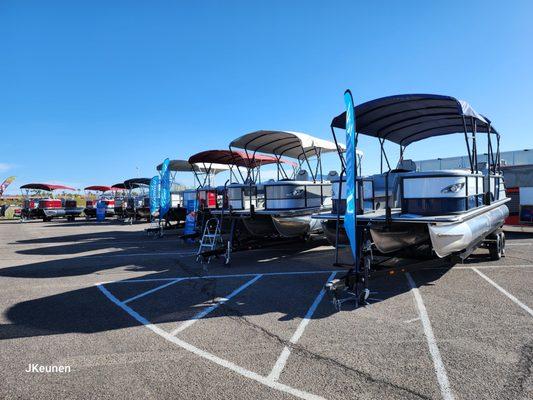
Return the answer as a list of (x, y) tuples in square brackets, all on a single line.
[(495, 249), (502, 234)]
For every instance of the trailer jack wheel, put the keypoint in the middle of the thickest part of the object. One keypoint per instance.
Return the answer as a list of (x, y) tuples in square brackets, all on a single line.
[(352, 287)]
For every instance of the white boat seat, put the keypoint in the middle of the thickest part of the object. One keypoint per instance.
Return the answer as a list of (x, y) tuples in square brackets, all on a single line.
[(302, 175)]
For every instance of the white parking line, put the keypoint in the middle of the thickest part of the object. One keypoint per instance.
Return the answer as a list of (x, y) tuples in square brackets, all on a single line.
[(142, 280), (210, 309), (442, 377), (496, 266), (208, 356), (505, 292), (282, 360), (152, 290), (154, 253)]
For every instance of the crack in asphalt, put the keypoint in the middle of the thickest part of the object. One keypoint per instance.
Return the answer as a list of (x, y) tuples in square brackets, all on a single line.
[(208, 286), (300, 350), (525, 369)]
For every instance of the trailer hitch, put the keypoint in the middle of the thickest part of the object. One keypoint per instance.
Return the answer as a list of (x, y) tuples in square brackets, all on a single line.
[(354, 285)]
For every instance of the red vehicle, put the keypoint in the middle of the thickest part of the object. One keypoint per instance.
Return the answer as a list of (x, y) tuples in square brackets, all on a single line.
[(44, 206), (519, 184)]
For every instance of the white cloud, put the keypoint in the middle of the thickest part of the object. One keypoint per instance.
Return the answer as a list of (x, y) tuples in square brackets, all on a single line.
[(4, 167)]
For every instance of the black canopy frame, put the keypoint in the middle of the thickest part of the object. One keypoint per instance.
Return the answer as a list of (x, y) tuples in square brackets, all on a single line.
[(285, 141), (408, 118)]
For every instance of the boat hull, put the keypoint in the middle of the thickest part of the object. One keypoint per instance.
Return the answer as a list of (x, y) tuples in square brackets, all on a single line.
[(445, 238), (330, 232), (295, 225), (453, 238), (259, 225)]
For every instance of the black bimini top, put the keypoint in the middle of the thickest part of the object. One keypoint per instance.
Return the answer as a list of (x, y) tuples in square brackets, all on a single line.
[(136, 182), (407, 118)]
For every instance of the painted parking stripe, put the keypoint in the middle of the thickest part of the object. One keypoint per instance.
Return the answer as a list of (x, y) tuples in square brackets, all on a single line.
[(282, 360), (442, 377), (496, 266), (141, 280), (212, 308), (208, 356), (505, 292), (152, 290), (154, 253)]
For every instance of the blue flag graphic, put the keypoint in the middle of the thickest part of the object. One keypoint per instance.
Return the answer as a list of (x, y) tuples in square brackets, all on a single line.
[(165, 198), (155, 186), (350, 218)]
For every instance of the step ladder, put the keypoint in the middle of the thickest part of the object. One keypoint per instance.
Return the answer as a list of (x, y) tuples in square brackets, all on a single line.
[(211, 239)]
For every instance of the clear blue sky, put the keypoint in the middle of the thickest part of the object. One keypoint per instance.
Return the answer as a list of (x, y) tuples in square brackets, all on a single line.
[(91, 91)]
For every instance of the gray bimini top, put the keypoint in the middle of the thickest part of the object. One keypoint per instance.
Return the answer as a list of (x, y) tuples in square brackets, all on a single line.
[(408, 118)]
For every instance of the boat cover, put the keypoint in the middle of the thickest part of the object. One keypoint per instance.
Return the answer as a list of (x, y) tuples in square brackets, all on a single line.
[(232, 157), (136, 182), (99, 188), (178, 166), (184, 166), (45, 186), (407, 118), (119, 186), (285, 143)]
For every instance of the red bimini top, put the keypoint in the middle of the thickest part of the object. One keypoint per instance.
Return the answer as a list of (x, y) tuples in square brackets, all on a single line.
[(232, 157), (99, 188), (45, 186)]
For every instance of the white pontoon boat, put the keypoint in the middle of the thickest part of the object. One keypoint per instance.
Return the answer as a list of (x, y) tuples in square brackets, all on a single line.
[(446, 213), (290, 201), (454, 211)]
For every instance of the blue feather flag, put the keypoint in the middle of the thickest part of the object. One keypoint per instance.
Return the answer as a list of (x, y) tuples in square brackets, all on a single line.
[(350, 217), (165, 197), (154, 193)]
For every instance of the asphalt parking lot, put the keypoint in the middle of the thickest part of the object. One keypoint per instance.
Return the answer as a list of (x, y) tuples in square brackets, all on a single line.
[(136, 316)]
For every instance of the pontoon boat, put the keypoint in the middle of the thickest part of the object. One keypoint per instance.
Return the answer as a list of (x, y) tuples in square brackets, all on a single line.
[(138, 202), (291, 200), (47, 207), (99, 193), (243, 192), (453, 211)]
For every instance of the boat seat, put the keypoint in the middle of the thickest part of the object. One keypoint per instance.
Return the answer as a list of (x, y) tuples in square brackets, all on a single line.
[(405, 166), (333, 176), (302, 175)]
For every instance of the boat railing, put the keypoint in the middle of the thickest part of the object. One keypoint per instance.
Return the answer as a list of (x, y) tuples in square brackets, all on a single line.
[(443, 193), (365, 195), (296, 195)]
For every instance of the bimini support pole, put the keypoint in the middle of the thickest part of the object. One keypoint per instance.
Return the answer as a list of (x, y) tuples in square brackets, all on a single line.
[(468, 145), (308, 164)]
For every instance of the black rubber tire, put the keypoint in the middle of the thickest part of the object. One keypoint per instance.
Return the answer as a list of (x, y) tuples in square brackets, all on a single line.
[(503, 243), (495, 249)]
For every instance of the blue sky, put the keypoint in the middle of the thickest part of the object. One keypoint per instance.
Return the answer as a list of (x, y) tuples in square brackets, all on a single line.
[(97, 92)]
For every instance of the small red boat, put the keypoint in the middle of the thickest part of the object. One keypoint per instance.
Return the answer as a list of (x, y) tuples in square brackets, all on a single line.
[(96, 194), (44, 206)]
